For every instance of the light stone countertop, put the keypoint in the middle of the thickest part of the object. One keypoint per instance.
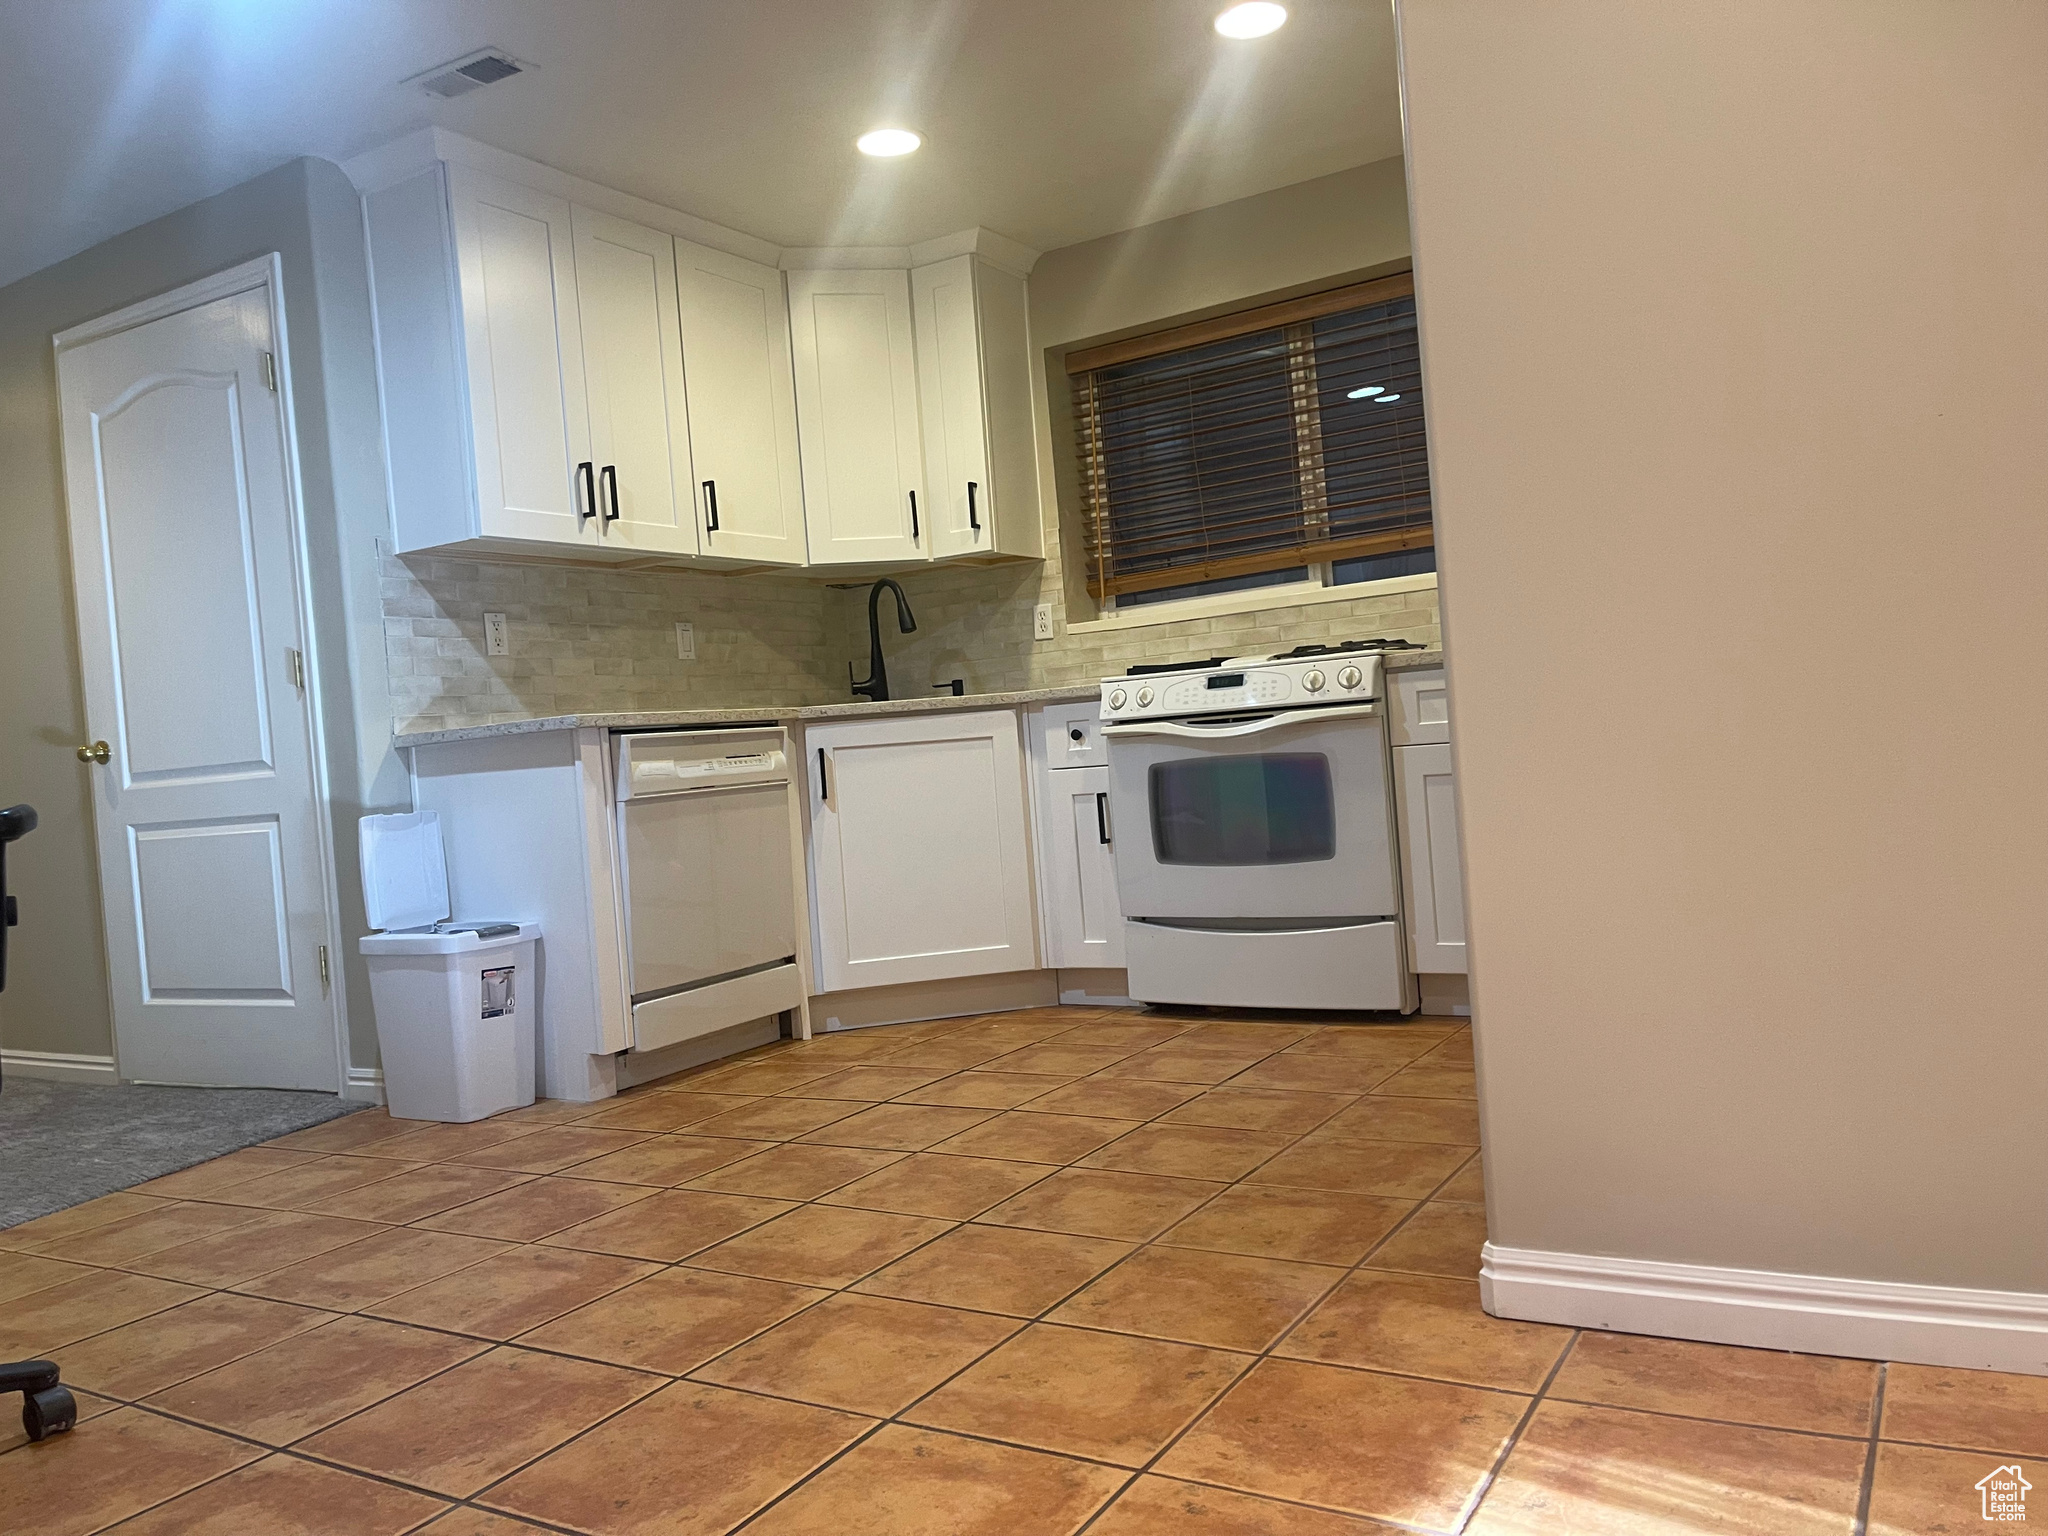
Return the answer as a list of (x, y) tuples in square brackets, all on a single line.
[(784, 714)]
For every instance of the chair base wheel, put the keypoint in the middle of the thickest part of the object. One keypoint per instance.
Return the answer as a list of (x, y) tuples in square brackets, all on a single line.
[(48, 1412)]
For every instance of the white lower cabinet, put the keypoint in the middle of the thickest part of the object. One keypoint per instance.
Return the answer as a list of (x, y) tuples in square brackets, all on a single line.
[(920, 849), (1084, 926), (1432, 880)]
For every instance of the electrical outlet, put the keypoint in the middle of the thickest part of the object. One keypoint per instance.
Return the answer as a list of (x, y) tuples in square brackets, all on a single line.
[(686, 642), (1041, 622), (497, 639)]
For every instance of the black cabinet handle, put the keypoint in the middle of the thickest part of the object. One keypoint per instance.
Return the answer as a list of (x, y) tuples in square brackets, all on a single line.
[(711, 506), (1102, 818), (913, 517), (588, 510), (611, 486), (973, 520), (824, 784)]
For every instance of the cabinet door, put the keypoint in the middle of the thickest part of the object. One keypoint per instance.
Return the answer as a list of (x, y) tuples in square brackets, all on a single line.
[(1085, 926), (523, 349), (633, 380), (921, 867), (856, 414), (960, 509), (747, 492), (1432, 880)]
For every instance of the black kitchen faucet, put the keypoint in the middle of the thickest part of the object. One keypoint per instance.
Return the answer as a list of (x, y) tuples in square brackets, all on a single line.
[(875, 686)]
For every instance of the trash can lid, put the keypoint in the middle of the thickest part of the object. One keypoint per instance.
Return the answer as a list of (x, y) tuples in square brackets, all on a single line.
[(405, 876), (448, 939)]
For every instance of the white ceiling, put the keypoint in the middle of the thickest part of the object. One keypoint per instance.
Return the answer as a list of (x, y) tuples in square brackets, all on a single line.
[(1050, 121)]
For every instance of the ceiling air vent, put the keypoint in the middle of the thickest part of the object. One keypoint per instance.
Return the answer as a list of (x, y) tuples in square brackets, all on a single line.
[(471, 72)]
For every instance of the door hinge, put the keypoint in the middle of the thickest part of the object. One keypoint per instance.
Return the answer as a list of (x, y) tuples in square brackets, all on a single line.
[(270, 371), (323, 965), (295, 661)]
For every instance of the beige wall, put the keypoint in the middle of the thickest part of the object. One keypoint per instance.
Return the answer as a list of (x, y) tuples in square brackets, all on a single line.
[(1735, 315), (977, 623), (56, 998)]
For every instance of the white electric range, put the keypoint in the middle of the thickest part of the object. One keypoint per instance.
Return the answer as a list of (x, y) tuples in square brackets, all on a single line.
[(1263, 872)]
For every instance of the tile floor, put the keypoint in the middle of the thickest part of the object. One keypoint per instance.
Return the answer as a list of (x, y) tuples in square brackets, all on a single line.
[(1017, 1275)]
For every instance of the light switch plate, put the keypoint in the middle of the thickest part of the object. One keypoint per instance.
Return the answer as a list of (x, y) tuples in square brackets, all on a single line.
[(1041, 622), (686, 642), (497, 639)]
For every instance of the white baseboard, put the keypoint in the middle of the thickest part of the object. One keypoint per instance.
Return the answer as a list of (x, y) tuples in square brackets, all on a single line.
[(59, 1066), (911, 1001), (636, 1067), (1095, 989), (365, 1085), (1813, 1314)]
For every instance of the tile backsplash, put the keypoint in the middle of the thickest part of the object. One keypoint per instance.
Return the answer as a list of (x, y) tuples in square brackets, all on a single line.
[(974, 623), (591, 640), (586, 640)]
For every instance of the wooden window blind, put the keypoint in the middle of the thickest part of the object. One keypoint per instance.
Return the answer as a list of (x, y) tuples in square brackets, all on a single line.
[(1283, 436)]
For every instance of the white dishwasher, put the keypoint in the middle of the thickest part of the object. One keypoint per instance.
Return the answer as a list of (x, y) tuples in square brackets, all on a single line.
[(708, 875)]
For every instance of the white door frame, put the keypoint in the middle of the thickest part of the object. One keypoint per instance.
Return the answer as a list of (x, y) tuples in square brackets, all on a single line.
[(267, 273)]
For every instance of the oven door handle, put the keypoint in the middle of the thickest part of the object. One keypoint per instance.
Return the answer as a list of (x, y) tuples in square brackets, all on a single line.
[(1272, 722)]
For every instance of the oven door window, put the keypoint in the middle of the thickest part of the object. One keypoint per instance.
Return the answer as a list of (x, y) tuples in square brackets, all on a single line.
[(1272, 808)]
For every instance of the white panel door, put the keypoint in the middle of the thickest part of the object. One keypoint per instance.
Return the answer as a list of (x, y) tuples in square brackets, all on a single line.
[(921, 864), (1085, 924), (522, 336), (1432, 878), (176, 467), (633, 380), (960, 509), (747, 488), (856, 414)]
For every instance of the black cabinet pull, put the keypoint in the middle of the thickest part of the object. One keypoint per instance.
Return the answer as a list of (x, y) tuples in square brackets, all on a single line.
[(1102, 818), (711, 506), (913, 517), (973, 520), (611, 486), (586, 471), (824, 784)]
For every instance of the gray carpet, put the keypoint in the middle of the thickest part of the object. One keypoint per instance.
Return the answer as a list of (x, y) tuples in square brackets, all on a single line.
[(63, 1143)]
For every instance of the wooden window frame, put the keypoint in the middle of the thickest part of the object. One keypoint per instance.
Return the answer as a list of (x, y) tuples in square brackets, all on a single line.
[(1293, 317)]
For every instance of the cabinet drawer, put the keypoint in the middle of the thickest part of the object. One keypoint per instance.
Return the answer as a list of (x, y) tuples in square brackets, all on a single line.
[(1072, 735), (1418, 707)]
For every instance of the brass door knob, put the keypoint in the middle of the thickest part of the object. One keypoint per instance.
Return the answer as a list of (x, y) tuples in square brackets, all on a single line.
[(98, 752)]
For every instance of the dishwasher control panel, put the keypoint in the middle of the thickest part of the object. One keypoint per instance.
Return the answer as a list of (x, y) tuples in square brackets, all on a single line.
[(674, 762)]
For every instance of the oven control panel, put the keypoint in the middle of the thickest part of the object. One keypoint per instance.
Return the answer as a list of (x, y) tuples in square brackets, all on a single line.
[(1230, 689)]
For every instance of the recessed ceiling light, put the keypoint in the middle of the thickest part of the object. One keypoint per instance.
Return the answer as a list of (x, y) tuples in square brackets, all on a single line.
[(887, 141), (1386, 399), (1367, 393), (1254, 18)]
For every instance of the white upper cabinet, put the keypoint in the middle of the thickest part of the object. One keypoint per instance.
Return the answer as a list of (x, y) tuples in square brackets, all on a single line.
[(565, 367), (633, 375), (522, 349), (856, 412), (973, 374), (747, 490)]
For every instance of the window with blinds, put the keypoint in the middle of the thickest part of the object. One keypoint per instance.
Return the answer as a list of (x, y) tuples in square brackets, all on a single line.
[(1281, 438)]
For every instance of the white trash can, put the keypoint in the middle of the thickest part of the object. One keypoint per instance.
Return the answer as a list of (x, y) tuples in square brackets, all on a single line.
[(457, 1003)]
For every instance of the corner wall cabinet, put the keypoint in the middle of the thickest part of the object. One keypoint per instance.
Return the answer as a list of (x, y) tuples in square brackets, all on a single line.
[(559, 375), (920, 853), (974, 374), (856, 414)]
